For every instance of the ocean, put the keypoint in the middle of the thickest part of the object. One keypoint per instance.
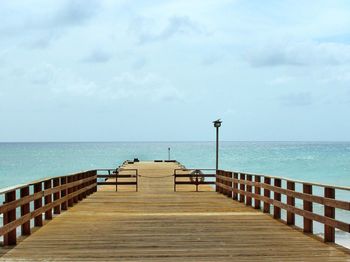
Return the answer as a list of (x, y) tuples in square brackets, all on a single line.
[(322, 162)]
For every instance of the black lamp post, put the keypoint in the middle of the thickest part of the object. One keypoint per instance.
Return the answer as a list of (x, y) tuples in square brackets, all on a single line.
[(217, 124)]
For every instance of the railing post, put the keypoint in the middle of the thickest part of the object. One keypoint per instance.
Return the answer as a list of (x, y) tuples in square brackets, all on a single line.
[(25, 209), (84, 176), (218, 180), (277, 197), (80, 177), (329, 232), (116, 182), (48, 199), (242, 187), (290, 202), (267, 194), (70, 190), (249, 190), (137, 180), (38, 203), (235, 187), (95, 188), (64, 204), (11, 237), (257, 191), (75, 188), (229, 184), (308, 228), (56, 196)]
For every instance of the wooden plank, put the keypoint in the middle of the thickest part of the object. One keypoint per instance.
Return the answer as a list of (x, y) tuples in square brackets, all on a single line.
[(157, 224)]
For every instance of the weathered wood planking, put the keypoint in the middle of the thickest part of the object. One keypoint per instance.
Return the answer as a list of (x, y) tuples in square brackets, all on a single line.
[(157, 224)]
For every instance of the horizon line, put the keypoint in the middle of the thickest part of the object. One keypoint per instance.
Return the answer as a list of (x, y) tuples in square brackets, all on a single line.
[(184, 141)]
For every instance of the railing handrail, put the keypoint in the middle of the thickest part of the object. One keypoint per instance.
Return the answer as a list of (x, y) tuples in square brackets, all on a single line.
[(48, 195), (117, 176), (345, 188), (246, 187), (195, 182), (40, 180)]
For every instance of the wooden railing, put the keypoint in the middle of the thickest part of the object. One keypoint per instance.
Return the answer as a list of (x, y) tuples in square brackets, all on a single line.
[(246, 188), (187, 178), (114, 177), (46, 196)]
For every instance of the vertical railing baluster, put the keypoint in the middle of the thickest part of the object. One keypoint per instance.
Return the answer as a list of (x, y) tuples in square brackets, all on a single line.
[(79, 177), (56, 196), (329, 232), (308, 225), (48, 199), (257, 191), (235, 187), (70, 190), (229, 184), (249, 190), (267, 194), (277, 197), (25, 209), (94, 174), (242, 187), (75, 188), (11, 237), (38, 220), (290, 202), (84, 176), (63, 181)]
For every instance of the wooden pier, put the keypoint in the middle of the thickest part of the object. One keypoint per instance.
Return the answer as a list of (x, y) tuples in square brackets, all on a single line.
[(155, 223)]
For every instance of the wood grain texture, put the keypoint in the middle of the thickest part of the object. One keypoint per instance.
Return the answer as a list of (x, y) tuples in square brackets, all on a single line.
[(157, 224)]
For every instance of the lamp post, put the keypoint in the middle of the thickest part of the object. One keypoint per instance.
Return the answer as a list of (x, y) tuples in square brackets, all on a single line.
[(217, 124)]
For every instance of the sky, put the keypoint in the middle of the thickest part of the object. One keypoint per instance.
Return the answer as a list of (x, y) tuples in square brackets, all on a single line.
[(85, 70)]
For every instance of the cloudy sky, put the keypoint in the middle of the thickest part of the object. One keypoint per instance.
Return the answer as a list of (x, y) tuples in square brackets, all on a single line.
[(163, 70)]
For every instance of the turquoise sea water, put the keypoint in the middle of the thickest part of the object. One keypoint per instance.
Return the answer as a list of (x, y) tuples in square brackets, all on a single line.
[(311, 161), (322, 162)]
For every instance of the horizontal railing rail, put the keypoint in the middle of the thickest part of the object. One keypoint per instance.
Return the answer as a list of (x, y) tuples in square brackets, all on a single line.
[(42, 197), (246, 187), (118, 177), (195, 177)]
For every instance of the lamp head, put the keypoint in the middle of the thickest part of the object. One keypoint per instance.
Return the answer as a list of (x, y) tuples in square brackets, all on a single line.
[(217, 123)]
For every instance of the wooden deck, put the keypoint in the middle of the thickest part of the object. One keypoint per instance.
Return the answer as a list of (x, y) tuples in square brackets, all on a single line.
[(157, 224)]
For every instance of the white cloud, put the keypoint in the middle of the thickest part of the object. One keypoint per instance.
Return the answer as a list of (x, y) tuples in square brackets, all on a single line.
[(300, 54), (297, 99), (148, 31), (142, 85), (97, 56)]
